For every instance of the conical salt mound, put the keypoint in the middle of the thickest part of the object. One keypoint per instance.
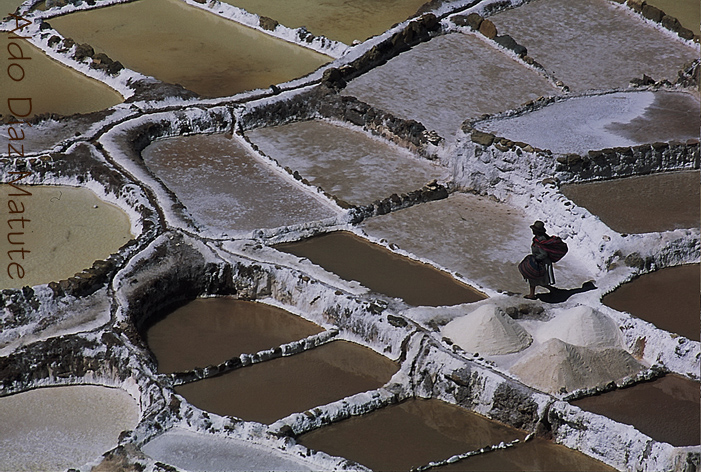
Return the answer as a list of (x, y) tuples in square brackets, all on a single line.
[(487, 330), (555, 365), (582, 326)]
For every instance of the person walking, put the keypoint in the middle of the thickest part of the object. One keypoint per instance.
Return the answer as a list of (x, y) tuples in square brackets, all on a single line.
[(537, 267)]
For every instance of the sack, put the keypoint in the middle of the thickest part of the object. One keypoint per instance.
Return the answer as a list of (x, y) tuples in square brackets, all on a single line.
[(554, 246), (530, 268)]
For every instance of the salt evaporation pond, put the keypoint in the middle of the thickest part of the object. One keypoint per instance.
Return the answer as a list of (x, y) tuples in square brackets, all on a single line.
[(336, 19), (188, 450), (209, 331), (178, 43), (605, 52), (51, 86), (688, 12), (668, 298), (535, 455), (474, 232), (642, 204), (475, 78), (416, 432), (355, 258), (581, 124), (228, 188), (346, 163), (62, 427), (66, 230), (273, 389), (666, 409)]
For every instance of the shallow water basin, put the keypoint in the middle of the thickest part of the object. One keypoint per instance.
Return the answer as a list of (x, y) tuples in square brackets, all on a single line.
[(596, 54), (209, 331), (178, 43), (410, 434), (65, 230), (642, 204), (50, 86), (336, 19), (346, 163), (668, 298), (273, 389), (377, 268), (474, 79), (228, 188), (688, 12), (536, 455), (481, 239), (196, 451), (621, 119), (62, 427), (666, 409)]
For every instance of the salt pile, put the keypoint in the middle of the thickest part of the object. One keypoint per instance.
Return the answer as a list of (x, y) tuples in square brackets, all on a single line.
[(582, 326), (489, 331), (555, 365)]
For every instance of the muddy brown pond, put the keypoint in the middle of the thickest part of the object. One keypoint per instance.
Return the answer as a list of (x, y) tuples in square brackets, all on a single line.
[(642, 204), (668, 298), (666, 409), (416, 432), (354, 258), (208, 331), (273, 389)]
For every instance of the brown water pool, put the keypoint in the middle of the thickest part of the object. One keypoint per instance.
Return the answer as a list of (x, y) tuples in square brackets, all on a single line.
[(354, 258), (537, 455), (666, 409), (226, 187), (416, 432), (208, 331), (642, 204), (51, 86), (271, 390), (688, 12), (668, 298), (178, 43), (66, 230), (336, 19)]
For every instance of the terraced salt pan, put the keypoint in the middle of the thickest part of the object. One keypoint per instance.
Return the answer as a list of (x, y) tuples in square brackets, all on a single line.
[(479, 238), (209, 331), (487, 330), (556, 365), (178, 43), (274, 389), (51, 86), (606, 51), (410, 434), (66, 230), (642, 204), (62, 427), (187, 450), (346, 163), (226, 187), (688, 12), (475, 78), (336, 19), (581, 124)]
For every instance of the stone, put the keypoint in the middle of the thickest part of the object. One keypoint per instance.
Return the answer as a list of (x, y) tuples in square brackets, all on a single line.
[(636, 5), (267, 23), (671, 23), (479, 137), (652, 13), (488, 29), (685, 33), (508, 42)]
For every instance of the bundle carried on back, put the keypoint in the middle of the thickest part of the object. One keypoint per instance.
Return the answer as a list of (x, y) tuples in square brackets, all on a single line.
[(554, 246)]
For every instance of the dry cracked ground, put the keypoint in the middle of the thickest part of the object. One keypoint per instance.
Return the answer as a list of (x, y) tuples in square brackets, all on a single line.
[(265, 235)]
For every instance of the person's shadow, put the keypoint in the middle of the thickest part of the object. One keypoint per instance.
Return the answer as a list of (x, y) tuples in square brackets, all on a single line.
[(559, 295)]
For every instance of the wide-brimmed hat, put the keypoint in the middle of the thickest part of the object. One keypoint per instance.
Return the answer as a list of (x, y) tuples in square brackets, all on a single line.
[(538, 227)]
